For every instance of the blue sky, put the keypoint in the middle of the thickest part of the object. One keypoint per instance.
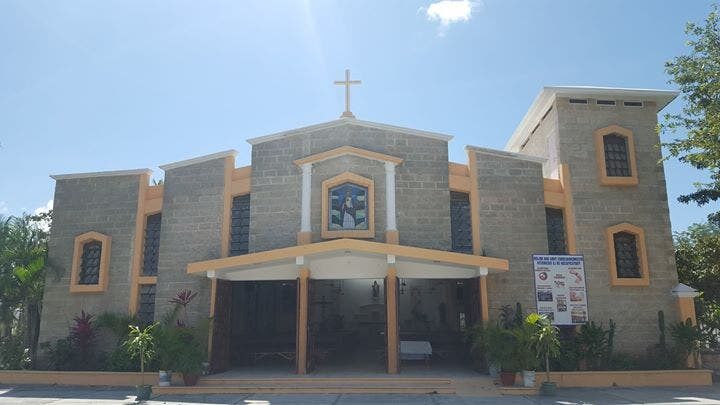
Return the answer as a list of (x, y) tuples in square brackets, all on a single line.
[(110, 85)]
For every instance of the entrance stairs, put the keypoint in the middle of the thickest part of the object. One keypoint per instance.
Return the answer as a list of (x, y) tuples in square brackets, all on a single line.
[(335, 385)]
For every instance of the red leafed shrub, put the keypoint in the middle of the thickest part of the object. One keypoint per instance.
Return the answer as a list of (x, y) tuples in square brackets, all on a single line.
[(82, 332)]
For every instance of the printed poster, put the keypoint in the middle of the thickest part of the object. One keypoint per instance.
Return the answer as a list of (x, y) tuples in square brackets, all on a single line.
[(560, 289)]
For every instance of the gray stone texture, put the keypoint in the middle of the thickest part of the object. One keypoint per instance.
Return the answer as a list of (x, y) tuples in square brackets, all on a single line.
[(102, 204), (191, 223), (422, 190), (512, 225), (544, 143), (598, 207)]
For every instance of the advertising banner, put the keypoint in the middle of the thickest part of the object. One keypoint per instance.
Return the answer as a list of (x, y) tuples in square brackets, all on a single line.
[(560, 289)]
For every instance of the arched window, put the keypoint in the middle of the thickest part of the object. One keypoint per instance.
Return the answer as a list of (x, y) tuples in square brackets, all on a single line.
[(615, 152), (91, 259), (627, 255)]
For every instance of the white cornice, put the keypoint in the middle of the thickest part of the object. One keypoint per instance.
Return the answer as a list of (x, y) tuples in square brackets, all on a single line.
[(506, 154), (348, 121), (69, 176), (547, 96), (199, 159)]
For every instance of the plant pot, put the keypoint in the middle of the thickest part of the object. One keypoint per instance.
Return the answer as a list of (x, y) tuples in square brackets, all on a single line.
[(143, 392), (507, 378), (164, 378), (528, 378), (190, 379), (548, 388), (493, 370), (205, 368)]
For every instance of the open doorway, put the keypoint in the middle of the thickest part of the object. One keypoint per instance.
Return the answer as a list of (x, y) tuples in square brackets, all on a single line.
[(347, 325), (433, 315), (262, 325)]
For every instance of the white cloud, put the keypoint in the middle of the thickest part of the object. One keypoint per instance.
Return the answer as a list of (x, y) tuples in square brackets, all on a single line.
[(451, 11), (44, 225)]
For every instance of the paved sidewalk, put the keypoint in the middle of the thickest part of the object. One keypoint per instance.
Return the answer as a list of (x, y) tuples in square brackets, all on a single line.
[(36, 395)]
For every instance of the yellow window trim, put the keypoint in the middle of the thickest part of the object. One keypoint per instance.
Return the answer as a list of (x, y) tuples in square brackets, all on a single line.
[(644, 279), (353, 178), (80, 242), (606, 180)]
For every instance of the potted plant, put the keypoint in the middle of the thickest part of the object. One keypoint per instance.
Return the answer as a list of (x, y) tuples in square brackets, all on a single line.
[(546, 343), (525, 357), (140, 344), (190, 356), (500, 345)]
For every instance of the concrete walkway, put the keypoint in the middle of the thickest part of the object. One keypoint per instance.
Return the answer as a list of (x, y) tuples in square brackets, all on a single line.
[(33, 395)]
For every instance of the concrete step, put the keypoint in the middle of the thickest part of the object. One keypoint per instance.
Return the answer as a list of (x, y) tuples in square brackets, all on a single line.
[(273, 389), (320, 382)]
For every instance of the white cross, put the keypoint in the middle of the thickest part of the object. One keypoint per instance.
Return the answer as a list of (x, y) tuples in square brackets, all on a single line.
[(347, 83)]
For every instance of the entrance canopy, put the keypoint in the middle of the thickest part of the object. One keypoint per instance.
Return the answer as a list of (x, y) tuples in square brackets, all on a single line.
[(348, 259)]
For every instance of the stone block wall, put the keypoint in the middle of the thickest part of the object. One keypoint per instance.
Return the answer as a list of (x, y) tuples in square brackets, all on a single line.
[(598, 207), (102, 204), (512, 224), (422, 189), (190, 232)]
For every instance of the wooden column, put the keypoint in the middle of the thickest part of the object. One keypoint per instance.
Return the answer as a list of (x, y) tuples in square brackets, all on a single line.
[(482, 289), (391, 306), (301, 342)]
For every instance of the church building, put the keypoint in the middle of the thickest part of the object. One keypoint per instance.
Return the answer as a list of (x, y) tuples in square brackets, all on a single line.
[(356, 243)]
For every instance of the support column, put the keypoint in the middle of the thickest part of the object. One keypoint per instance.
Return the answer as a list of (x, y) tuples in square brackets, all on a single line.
[(301, 343), (391, 306), (304, 236), (482, 288), (391, 232)]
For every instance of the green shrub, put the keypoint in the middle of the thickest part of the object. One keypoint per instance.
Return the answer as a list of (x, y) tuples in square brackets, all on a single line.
[(13, 354), (119, 360), (60, 354)]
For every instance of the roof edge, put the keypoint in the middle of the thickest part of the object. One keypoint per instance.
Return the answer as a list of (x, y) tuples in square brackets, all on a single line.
[(70, 176), (502, 153), (348, 121), (548, 94), (199, 159)]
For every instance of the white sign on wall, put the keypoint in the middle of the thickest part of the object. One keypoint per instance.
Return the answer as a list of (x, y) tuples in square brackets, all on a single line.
[(560, 289)]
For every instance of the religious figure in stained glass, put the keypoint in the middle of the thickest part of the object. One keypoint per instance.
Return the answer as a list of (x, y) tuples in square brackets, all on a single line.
[(348, 207)]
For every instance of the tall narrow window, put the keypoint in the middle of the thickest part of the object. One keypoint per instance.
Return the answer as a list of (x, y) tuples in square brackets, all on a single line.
[(460, 222), (626, 255), (90, 263), (152, 245), (617, 163), (615, 154), (555, 231), (146, 309), (240, 225)]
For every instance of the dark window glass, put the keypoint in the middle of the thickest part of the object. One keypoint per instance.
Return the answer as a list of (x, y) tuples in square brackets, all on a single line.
[(460, 223), (240, 225), (146, 309), (626, 255), (616, 156), (152, 245), (90, 263), (555, 231)]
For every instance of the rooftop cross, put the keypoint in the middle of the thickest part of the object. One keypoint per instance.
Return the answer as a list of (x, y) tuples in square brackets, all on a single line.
[(347, 82)]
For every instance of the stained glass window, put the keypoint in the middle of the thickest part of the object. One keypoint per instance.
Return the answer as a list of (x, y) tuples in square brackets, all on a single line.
[(348, 207), (555, 231), (240, 225), (152, 245), (146, 309), (460, 223)]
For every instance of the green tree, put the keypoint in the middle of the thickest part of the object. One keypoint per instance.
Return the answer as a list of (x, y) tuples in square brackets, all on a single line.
[(697, 254), (697, 74), (23, 254)]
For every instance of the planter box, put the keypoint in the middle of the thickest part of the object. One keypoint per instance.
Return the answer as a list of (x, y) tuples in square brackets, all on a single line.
[(654, 378), (119, 379)]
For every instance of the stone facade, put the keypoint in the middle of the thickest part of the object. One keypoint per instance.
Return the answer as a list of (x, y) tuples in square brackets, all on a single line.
[(422, 189), (190, 232), (512, 223), (510, 211), (102, 204)]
